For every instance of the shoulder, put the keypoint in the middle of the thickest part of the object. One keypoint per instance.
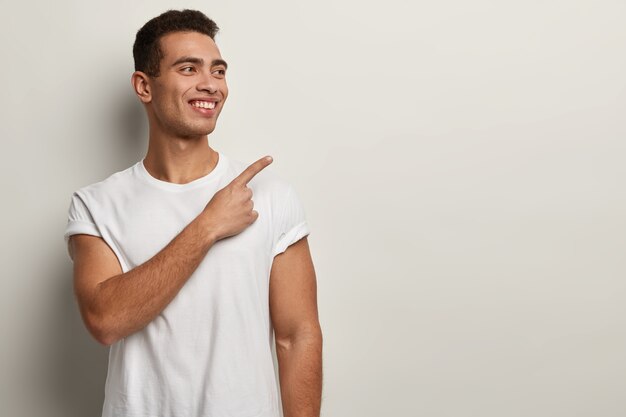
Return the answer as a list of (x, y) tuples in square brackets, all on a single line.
[(118, 183)]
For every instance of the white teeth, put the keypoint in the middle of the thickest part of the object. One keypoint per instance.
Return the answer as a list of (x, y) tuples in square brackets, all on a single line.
[(204, 104)]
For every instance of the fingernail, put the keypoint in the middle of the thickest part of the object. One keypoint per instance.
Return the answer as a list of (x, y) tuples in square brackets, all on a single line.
[(269, 158)]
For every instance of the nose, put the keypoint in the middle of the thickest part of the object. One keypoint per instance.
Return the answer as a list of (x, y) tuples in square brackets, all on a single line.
[(207, 83)]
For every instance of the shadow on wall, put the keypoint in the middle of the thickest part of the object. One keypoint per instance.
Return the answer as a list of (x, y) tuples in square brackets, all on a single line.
[(130, 128), (78, 366)]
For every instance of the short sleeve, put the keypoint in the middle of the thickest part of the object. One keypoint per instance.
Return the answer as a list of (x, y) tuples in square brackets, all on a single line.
[(291, 225), (79, 220)]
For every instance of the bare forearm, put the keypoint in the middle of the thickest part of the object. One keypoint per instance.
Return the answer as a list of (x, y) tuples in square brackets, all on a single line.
[(300, 369), (126, 303)]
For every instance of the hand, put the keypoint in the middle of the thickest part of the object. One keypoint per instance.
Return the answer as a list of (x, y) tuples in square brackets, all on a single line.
[(230, 209)]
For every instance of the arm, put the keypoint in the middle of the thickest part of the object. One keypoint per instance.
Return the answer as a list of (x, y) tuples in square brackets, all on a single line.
[(293, 309), (115, 304)]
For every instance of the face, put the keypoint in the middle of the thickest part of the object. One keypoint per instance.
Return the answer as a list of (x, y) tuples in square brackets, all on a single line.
[(187, 97)]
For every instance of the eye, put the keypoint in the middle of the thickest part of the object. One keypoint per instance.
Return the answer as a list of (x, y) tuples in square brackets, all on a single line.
[(220, 71), (186, 69)]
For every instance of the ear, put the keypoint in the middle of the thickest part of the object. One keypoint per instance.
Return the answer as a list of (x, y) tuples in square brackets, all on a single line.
[(141, 84)]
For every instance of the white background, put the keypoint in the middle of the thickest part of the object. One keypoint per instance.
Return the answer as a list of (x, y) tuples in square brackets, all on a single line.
[(461, 164)]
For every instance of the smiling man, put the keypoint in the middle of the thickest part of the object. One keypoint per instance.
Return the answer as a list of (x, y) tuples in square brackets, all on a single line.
[(187, 278)]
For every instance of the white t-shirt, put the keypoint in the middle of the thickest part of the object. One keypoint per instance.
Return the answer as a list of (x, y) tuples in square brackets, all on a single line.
[(208, 353)]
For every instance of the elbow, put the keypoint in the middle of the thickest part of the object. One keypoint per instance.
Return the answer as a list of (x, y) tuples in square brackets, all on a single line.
[(105, 339), (99, 319), (310, 337), (100, 330)]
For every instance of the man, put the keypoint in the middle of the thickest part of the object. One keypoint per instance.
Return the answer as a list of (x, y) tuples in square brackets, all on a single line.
[(179, 271)]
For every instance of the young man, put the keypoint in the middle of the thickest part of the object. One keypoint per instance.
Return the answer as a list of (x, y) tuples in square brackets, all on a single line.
[(179, 271)]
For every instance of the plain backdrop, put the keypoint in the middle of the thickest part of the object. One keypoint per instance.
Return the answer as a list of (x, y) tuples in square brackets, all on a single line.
[(461, 164)]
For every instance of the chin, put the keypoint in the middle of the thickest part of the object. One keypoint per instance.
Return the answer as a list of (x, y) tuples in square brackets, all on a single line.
[(208, 131), (198, 131)]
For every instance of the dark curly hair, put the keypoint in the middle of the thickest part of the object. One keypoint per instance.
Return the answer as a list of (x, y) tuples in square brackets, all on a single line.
[(147, 51)]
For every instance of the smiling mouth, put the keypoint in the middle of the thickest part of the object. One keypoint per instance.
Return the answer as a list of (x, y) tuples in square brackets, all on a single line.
[(204, 104)]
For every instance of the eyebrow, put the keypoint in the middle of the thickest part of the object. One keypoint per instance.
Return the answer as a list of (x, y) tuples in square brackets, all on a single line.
[(199, 61)]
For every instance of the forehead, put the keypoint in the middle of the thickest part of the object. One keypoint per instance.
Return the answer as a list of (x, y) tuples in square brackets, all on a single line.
[(177, 44)]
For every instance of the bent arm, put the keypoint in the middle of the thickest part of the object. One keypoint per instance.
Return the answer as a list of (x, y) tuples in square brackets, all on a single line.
[(293, 308), (115, 304)]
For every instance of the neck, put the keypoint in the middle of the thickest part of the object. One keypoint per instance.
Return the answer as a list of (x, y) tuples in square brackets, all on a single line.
[(179, 160)]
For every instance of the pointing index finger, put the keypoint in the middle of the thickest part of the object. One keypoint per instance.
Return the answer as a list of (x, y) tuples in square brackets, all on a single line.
[(252, 170)]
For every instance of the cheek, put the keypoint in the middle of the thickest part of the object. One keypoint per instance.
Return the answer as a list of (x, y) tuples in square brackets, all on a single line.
[(168, 105)]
